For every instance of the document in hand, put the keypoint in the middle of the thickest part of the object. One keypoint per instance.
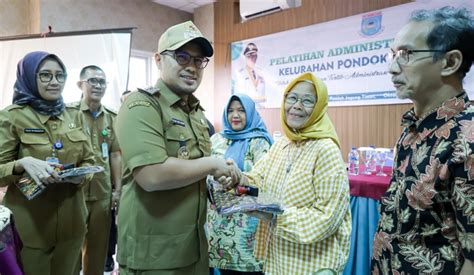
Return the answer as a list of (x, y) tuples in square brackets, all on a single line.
[(31, 190), (227, 202)]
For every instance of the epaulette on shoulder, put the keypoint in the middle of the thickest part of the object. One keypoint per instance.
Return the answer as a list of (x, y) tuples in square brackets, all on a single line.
[(110, 110), (150, 90), (75, 105), (14, 107)]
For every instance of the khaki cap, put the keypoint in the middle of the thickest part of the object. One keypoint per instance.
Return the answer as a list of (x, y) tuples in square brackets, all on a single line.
[(178, 35)]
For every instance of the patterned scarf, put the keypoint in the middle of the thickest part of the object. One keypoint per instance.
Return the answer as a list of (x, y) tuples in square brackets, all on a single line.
[(26, 87)]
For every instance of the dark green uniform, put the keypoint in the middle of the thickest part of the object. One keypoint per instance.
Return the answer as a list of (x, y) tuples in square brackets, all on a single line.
[(98, 193), (51, 226), (161, 232)]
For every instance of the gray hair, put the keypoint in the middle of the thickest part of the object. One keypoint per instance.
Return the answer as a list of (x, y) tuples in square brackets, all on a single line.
[(454, 29)]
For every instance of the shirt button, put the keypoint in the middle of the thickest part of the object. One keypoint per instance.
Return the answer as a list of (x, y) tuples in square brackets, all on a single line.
[(181, 137), (54, 126), (94, 135)]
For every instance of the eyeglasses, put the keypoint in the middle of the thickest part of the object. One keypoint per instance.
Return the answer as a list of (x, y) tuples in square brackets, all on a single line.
[(307, 101), (46, 77), (402, 56), (183, 58), (96, 81)]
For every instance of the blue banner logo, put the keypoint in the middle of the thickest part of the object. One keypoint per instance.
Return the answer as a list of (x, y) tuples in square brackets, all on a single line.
[(371, 24)]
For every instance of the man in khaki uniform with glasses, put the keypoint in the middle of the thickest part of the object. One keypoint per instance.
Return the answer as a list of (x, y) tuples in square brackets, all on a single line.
[(97, 122), (165, 145)]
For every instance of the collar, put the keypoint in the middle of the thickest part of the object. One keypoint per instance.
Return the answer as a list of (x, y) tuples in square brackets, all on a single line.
[(84, 107), (438, 116), (172, 98), (44, 118)]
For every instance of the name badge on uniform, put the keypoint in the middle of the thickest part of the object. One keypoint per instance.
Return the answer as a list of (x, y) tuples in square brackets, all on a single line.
[(34, 131), (183, 152), (176, 121), (105, 150)]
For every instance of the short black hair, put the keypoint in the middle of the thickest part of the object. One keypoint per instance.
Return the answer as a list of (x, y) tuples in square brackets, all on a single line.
[(453, 30), (82, 74)]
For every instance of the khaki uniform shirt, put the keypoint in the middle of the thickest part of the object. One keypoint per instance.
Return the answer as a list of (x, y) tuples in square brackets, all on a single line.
[(162, 229), (58, 214), (100, 130)]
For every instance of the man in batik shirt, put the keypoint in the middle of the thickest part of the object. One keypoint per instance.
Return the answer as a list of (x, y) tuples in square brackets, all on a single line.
[(427, 214)]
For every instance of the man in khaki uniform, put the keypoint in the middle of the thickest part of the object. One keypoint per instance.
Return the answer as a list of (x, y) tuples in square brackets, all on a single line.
[(165, 146), (97, 122)]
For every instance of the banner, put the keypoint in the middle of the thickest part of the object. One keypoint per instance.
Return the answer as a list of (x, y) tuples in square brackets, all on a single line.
[(348, 54)]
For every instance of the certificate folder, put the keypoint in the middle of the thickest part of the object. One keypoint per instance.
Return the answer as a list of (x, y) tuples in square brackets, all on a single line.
[(228, 202), (31, 190)]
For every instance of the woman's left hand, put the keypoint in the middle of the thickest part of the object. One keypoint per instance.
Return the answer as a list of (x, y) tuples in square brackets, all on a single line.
[(42, 172)]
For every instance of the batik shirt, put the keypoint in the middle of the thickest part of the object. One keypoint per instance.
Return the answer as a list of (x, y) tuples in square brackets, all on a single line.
[(232, 237), (427, 214)]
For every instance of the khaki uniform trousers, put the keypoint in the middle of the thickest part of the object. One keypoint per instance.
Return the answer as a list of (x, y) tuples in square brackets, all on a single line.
[(199, 268), (94, 250), (58, 260)]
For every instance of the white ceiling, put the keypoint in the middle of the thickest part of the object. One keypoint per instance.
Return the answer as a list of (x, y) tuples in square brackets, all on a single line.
[(184, 5)]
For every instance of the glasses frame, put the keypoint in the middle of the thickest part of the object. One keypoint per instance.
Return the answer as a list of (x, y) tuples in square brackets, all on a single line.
[(299, 99), (99, 83), (396, 55), (51, 77), (203, 63)]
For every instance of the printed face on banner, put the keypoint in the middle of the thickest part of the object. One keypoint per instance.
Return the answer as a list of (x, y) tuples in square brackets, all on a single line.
[(249, 78)]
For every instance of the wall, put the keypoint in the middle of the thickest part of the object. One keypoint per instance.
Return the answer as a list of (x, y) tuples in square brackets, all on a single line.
[(204, 20), (12, 15), (34, 16), (22, 17), (359, 126), (150, 19)]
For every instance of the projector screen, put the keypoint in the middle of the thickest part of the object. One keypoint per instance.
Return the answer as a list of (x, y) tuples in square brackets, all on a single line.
[(108, 49)]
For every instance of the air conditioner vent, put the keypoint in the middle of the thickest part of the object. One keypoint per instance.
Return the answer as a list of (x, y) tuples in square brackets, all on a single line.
[(250, 9)]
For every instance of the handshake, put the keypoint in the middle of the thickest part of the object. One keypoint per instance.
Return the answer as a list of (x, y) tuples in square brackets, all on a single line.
[(227, 173)]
